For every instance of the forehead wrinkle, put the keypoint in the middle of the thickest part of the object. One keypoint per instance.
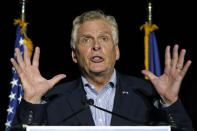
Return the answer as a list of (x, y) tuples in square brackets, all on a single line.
[(94, 24), (105, 32), (85, 35)]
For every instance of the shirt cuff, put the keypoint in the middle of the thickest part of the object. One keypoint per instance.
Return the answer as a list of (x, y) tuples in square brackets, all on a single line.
[(164, 105), (42, 102)]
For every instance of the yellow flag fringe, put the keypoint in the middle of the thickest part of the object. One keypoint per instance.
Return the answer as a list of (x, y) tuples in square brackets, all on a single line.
[(147, 29), (26, 39)]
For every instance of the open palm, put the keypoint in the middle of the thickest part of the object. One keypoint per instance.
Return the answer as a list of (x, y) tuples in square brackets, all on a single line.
[(34, 85), (168, 84)]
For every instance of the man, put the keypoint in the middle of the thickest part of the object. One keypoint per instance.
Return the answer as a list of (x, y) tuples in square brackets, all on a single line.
[(94, 43)]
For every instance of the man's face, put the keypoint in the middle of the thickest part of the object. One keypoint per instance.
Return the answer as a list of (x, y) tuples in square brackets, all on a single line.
[(95, 50)]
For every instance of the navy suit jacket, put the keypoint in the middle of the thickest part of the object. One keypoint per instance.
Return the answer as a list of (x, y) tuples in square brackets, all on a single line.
[(65, 106)]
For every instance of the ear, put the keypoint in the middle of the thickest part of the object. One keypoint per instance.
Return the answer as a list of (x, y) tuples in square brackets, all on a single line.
[(74, 56), (117, 52)]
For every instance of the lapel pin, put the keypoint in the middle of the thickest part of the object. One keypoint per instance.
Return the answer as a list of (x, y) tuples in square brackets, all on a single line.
[(125, 92)]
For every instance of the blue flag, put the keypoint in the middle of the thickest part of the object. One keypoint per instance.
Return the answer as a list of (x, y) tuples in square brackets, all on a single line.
[(154, 61), (151, 51)]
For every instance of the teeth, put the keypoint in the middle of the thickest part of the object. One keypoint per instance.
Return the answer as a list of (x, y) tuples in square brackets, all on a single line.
[(96, 58)]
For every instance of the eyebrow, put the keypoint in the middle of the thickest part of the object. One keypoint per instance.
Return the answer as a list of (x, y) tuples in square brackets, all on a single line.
[(85, 35), (100, 33)]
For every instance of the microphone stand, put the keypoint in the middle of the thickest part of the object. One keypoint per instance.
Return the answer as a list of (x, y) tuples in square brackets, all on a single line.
[(123, 117), (91, 103), (173, 127)]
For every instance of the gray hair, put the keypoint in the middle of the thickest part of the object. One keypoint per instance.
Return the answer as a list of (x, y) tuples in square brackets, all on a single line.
[(92, 15)]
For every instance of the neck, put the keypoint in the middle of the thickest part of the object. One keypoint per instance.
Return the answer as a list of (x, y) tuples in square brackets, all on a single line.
[(99, 81)]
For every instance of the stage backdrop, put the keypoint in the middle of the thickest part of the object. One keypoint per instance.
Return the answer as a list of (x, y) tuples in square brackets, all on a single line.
[(50, 28)]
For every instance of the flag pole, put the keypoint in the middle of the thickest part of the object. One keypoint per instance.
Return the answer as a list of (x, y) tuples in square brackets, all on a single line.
[(150, 13), (23, 24), (23, 10), (149, 27)]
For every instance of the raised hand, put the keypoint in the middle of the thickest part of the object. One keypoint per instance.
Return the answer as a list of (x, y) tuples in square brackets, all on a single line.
[(168, 84), (34, 85)]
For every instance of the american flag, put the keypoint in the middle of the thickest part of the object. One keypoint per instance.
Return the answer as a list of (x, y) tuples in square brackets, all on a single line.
[(16, 91)]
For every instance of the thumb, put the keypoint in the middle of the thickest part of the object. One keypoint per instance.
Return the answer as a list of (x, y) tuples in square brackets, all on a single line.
[(149, 74), (57, 78)]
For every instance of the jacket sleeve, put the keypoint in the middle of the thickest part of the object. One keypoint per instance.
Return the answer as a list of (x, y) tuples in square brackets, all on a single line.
[(174, 114), (30, 114), (177, 116)]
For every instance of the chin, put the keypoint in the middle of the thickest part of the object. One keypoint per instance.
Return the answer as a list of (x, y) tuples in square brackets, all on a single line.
[(99, 71), (98, 68)]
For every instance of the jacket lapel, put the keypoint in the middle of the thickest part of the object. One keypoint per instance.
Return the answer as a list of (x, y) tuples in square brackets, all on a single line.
[(76, 102), (120, 102)]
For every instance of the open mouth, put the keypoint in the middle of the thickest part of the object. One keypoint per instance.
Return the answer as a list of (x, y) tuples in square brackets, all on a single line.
[(97, 59)]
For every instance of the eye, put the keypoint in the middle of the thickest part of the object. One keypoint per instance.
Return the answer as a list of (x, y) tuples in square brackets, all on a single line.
[(86, 40), (104, 38)]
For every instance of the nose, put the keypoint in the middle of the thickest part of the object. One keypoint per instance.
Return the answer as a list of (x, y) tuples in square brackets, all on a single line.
[(96, 46)]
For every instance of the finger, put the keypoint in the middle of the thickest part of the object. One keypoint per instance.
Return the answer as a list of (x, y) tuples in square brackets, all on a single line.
[(19, 57), (36, 57), (16, 66), (149, 74), (181, 59), (26, 55), (175, 56), (186, 67), (56, 79), (167, 59)]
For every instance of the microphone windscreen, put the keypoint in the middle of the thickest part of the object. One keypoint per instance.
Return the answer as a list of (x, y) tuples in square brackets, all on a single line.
[(91, 102)]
